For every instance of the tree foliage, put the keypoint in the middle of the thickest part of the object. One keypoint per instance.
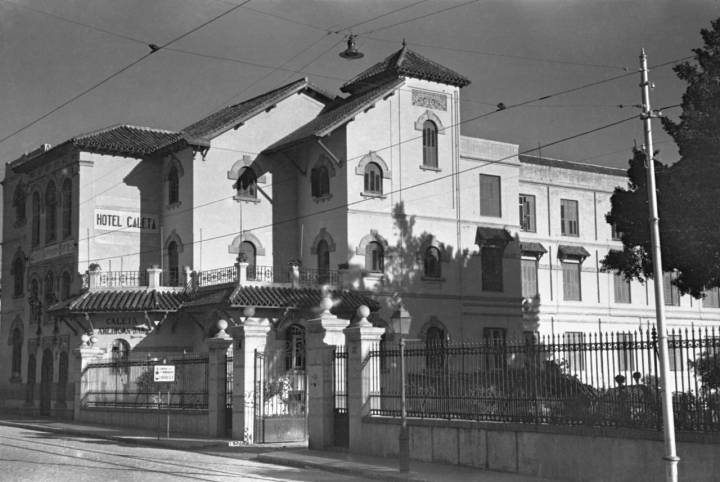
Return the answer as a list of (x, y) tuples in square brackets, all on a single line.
[(688, 191)]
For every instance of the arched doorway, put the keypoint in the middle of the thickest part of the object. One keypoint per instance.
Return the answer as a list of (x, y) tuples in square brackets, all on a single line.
[(46, 380)]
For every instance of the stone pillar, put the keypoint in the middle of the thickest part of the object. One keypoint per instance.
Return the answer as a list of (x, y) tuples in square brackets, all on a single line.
[(94, 279), (323, 333), (360, 337), (217, 350), (295, 275), (187, 277), (248, 337), (153, 274), (242, 272), (85, 354)]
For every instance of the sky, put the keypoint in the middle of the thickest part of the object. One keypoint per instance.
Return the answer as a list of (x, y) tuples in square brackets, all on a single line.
[(512, 51)]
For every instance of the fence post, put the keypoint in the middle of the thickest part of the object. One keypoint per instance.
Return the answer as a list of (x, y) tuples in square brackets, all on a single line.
[(248, 337), (86, 353), (360, 337), (323, 333), (217, 349)]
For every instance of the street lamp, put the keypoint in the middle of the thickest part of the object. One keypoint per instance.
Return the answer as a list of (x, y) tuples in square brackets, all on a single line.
[(400, 323)]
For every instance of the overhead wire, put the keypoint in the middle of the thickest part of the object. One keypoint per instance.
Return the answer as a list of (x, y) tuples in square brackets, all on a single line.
[(437, 12)]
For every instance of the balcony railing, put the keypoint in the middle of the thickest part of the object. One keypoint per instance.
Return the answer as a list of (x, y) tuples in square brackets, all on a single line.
[(118, 279), (217, 276)]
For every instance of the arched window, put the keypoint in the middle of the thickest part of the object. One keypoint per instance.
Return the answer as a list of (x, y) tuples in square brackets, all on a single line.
[(62, 379), (246, 185), (66, 200), (373, 179), (430, 152), (65, 286), (49, 289), (173, 262), (173, 186), (323, 261), (36, 218), (320, 181), (374, 257), (432, 262), (31, 374), (120, 350), (17, 342), (50, 213), (249, 254), (435, 346), (295, 347), (19, 202), (19, 276)]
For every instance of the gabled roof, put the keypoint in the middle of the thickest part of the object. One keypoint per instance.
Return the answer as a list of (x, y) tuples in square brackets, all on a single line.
[(124, 140), (228, 117), (337, 115), (122, 300), (404, 62)]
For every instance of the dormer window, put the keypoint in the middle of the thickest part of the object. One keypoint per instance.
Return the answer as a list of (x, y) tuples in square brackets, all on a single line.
[(246, 185)]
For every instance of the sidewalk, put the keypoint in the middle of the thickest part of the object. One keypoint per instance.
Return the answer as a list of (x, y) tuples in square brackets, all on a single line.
[(289, 454)]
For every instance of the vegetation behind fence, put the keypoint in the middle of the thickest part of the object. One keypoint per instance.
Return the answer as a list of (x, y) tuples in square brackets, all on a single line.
[(602, 379), (130, 384)]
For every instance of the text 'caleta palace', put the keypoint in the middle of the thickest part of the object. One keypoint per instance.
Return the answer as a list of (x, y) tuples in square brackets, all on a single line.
[(224, 246)]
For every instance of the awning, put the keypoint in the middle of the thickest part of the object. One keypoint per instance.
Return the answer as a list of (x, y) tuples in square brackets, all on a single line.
[(530, 248), (575, 252), (492, 236)]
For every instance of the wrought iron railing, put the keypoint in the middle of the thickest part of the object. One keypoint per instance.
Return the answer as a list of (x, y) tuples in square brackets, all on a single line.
[(217, 276), (318, 277), (340, 379), (590, 379), (268, 274), (130, 384), (117, 279)]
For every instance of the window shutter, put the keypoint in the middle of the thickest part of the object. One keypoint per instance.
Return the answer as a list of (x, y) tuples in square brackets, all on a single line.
[(529, 277)]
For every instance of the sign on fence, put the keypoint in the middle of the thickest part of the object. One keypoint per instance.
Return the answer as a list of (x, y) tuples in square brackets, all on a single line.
[(164, 373)]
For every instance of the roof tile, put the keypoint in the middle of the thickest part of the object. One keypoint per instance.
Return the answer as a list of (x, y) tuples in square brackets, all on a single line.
[(122, 300)]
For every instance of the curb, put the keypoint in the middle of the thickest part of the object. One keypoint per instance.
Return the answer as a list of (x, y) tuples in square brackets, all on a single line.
[(340, 467)]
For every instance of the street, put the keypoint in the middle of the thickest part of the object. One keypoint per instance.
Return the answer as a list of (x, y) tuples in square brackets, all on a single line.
[(31, 455)]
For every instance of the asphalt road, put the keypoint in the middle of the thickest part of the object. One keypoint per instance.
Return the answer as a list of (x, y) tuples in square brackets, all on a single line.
[(30, 455)]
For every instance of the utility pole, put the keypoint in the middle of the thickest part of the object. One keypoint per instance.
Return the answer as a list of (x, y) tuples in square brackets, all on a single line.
[(671, 459)]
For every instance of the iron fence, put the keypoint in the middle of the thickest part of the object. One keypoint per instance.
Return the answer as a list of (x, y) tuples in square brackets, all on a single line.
[(340, 379), (130, 384), (600, 379), (268, 274), (117, 279), (209, 277), (314, 277)]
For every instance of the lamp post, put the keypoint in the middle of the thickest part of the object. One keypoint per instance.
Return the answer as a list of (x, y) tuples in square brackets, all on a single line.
[(400, 322)]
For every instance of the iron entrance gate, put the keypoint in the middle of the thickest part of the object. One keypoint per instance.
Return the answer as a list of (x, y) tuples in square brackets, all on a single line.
[(228, 394), (280, 395), (340, 406)]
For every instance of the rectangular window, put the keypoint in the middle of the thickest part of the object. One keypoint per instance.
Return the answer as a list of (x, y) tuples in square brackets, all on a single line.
[(622, 289), (625, 351), (529, 268), (672, 293), (492, 268), (571, 281), (712, 298), (569, 217), (495, 341), (575, 350), (490, 196), (614, 233), (527, 213)]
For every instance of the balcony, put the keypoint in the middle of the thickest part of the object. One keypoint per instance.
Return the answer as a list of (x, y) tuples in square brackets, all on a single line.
[(241, 274)]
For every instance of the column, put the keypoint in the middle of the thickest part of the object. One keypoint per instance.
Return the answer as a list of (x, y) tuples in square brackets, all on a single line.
[(323, 333), (360, 337), (217, 351), (86, 353), (250, 336)]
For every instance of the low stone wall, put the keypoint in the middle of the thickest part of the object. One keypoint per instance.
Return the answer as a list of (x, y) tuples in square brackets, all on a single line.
[(186, 422), (569, 453)]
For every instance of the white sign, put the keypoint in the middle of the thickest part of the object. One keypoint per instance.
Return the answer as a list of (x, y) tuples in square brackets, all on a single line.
[(111, 220), (164, 373)]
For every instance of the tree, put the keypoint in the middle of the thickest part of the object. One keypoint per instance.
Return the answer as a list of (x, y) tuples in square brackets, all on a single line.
[(688, 191)]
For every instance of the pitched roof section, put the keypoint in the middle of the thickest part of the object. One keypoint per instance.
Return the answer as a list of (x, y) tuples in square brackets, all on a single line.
[(122, 300), (230, 116), (337, 115), (404, 62), (298, 298), (578, 166)]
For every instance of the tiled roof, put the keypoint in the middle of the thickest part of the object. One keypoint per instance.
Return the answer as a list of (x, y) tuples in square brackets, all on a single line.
[(404, 62), (337, 115), (233, 115), (271, 297), (568, 251), (131, 140), (122, 300), (483, 234), (532, 247), (578, 166), (213, 295)]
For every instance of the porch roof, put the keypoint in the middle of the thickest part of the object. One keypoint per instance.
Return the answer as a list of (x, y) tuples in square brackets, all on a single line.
[(121, 300)]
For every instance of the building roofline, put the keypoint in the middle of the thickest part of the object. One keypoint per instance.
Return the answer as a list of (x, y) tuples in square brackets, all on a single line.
[(577, 166)]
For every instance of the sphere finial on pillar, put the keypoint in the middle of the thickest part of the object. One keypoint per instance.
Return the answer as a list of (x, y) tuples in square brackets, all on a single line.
[(362, 313)]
